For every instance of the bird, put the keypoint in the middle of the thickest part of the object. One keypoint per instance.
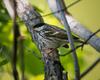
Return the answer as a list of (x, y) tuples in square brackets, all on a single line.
[(51, 37)]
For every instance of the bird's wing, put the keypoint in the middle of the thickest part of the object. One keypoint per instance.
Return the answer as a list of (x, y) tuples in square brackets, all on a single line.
[(53, 31)]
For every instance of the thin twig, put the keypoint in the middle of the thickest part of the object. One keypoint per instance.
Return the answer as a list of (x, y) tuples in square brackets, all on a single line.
[(91, 36), (61, 9), (65, 75), (76, 65), (16, 34), (90, 68), (82, 45)]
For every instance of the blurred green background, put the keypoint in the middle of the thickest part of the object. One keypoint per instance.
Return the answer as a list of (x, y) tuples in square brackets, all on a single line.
[(86, 12)]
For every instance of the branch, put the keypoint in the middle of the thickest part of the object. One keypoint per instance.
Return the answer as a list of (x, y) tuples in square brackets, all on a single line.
[(11, 7), (82, 43), (62, 14), (75, 26), (90, 68), (50, 2), (53, 68), (15, 26)]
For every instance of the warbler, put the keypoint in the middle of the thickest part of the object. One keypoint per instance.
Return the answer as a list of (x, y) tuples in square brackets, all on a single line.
[(50, 36)]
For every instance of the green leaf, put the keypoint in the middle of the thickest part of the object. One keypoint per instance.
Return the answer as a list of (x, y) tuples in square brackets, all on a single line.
[(3, 62)]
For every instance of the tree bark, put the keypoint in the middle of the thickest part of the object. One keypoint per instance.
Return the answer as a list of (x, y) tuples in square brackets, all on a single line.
[(53, 68)]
